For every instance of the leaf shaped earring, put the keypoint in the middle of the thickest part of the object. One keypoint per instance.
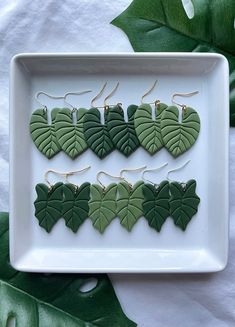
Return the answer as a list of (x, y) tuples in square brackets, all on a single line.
[(156, 207), (96, 133), (75, 203), (129, 201), (148, 130), (43, 134), (179, 137), (122, 133), (48, 204), (69, 128), (102, 204), (183, 201)]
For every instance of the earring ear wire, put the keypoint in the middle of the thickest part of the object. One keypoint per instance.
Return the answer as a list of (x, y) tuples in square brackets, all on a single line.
[(49, 96), (130, 170), (74, 93), (98, 95), (183, 106), (175, 169), (148, 92), (152, 170), (107, 174)]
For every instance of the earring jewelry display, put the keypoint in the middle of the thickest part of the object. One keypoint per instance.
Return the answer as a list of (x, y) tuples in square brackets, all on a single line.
[(42, 133), (95, 132), (148, 130), (177, 136), (69, 128)]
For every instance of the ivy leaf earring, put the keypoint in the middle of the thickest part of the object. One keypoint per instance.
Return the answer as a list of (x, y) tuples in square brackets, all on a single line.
[(179, 137), (69, 128), (148, 130), (156, 207), (183, 200), (48, 204), (96, 133), (43, 134), (122, 133)]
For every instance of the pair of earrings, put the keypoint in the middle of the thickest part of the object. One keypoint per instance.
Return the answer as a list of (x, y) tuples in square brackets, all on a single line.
[(166, 130)]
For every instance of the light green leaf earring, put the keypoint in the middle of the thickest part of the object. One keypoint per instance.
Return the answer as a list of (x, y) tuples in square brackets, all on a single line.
[(179, 137), (42, 133), (69, 128), (148, 130)]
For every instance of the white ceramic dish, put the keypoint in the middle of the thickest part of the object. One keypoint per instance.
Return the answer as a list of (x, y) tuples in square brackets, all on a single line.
[(204, 245)]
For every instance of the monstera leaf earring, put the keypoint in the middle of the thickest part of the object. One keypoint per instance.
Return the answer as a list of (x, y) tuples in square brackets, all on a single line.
[(96, 132), (122, 132), (179, 136), (156, 208), (183, 201), (69, 128), (148, 130), (42, 133)]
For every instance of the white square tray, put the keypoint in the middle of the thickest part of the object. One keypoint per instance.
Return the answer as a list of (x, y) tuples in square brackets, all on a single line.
[(204, 245)]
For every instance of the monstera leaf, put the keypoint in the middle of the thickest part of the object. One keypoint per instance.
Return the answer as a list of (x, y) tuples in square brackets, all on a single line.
[(102, 205), (197, 26), (129, 203), (43, 134), (48, 205), (96, 134), (70, 136), (123, 133), (148, 130), (55, 300), (179, 137), (183, 202), (156, 204), (75, 205)]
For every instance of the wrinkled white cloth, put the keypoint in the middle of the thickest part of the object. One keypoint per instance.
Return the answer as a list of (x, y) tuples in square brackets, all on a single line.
[(206, 300)]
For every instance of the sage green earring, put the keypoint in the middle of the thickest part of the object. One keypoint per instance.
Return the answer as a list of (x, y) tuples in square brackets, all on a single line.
[(69, 128), (148, 130), (179, 137), (42, 133)]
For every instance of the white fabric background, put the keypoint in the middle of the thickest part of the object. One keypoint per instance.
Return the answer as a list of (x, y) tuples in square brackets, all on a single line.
[(72, 25)]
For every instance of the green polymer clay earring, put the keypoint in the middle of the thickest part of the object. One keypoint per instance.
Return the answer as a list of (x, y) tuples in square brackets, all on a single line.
[(122, 132), (148, 130), (129, 201), (42, 133), (179, 137), (102, 203), (95, 132), (69, 128), (183, 201), (156, 208), (48, 204)]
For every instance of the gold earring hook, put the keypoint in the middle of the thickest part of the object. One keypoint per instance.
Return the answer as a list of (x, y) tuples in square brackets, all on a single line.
[(49, 96), (130, 170), (175, 169), (148, 92), (64, 174), (152, 170), (98, 95), (183, 106), (74, 93), (107, 174), (110, 95)]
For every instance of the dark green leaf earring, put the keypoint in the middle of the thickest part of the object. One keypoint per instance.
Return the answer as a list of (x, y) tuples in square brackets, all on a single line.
[(42, 133), (95, 132), (148, 130)]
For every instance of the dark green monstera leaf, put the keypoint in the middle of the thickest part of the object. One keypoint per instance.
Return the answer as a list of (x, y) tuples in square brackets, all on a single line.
[(129, 203), (70, 136), (75, 204), (43, 134), (55, 300), (96, 133), (123, 133), (183, 202), (102, 205), (158, 26), (156, 204), (148, 130), (48, 205), (179, 137)]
